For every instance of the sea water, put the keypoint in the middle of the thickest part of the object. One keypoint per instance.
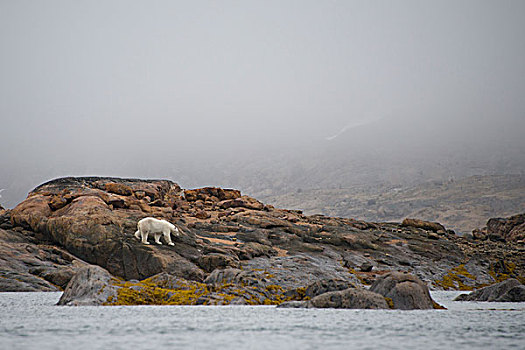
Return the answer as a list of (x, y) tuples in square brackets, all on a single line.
[(32, 321)]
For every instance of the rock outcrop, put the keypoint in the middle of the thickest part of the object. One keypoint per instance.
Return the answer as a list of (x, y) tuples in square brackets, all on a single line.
[(406, 291), (93, 219), (233, 249), (91, 285), (510, 290), (351, 298), (510, 229), (425, 225), (29, 264)]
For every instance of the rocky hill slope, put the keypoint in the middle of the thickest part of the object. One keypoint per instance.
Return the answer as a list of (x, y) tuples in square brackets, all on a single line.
[(462, 205), (70, 223)]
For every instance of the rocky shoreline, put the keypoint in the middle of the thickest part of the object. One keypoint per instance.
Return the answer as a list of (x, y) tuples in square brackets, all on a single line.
[(233, 250)]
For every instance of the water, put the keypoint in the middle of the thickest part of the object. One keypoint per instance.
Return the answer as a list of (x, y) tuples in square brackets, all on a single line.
[(31, 321)]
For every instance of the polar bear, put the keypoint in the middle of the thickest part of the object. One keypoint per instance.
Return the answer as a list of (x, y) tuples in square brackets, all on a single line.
[(157, 227)]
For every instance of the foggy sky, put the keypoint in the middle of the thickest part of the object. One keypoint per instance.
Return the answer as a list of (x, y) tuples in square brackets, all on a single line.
[(94, 87)]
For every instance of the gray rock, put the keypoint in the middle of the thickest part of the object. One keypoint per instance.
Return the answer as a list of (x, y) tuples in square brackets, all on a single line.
[(228, 275), (406, 291), (89, 286), (510, 290), (324, 286), (26, 266), (293, 304), (351, 298)]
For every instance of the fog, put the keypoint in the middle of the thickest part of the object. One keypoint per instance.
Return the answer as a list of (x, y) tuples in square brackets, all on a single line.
[(247, 94)]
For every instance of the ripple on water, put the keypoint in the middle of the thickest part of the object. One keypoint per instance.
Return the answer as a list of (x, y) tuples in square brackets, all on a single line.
[(29, 320)]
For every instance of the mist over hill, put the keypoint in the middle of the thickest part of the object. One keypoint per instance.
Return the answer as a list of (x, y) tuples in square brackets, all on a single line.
[(271, 99), (379, 156)]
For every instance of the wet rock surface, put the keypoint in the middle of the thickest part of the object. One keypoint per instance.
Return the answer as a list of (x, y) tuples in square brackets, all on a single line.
[(241, 250), (91, 285), (510, 290)]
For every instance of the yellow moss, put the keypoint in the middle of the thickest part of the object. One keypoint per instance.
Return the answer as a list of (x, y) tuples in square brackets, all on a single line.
[(438, 306), (301, 291), (273, 288), (452, 279), (147, 293), (462, 270), (390, 302), (500, 277), (358, 276), (268, 275)]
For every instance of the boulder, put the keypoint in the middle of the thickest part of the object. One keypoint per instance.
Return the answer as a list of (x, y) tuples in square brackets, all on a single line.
[(510, 290), (425, 225), (351, 298), (91, 285), (326, 285), (242, 202), (213, 194), (510, 229), (406, 291), (117, 188)]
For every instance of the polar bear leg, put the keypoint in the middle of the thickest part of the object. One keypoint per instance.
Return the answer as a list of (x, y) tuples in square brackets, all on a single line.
[(137, 234), (144, 235), (167, 237), (157, 238)]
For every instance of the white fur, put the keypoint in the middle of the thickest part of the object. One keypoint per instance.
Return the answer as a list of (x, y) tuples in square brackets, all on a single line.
[(157, 227)]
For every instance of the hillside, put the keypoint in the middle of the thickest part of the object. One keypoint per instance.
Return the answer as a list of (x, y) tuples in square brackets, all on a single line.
[(461, 205)]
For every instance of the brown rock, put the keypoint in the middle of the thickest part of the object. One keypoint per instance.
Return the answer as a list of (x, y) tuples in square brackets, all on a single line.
[(117, 201), (242, 202), (479, 234), (252, 250), (140, 194), (211, 193), (202, 214), (425, 225), (117, 188), (511, 229), (57, 202), (32, 212), (89, 228), (157, 203)]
